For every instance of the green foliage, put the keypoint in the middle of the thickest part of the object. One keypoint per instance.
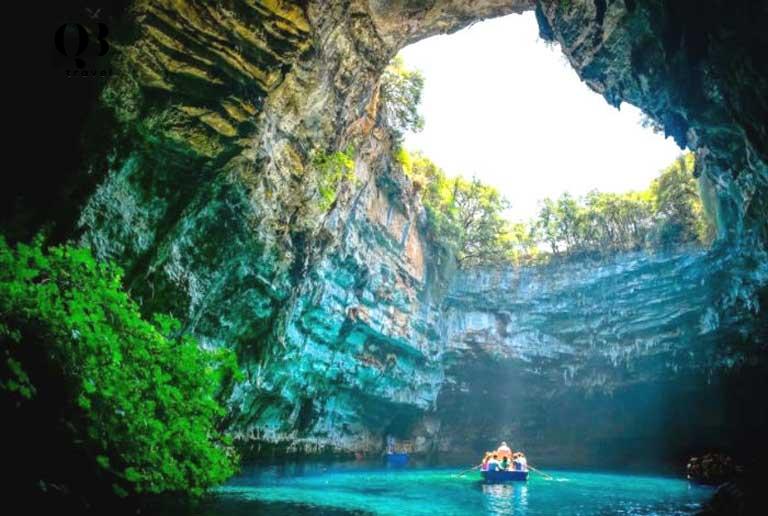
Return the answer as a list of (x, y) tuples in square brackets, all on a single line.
[(401, 91), (677, 201), (141, 400), (465, 218), (600, 222), (668, 213), (483, 232), (331, 170)]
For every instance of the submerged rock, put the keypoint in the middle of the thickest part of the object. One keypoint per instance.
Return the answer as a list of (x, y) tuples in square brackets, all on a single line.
[(742, 497), (712, 468)]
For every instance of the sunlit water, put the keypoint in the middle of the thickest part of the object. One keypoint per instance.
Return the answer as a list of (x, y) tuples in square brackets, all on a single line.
[(441, 492)]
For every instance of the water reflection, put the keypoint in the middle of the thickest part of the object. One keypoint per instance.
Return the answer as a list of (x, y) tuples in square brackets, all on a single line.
[(505, 498)]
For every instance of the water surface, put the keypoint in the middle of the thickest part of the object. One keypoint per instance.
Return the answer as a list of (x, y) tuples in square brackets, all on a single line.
[(342, 489)]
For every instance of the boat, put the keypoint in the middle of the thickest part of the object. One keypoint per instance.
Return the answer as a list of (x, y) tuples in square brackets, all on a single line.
[(518, 473), (397, 450), (501, 476), (396, 459)]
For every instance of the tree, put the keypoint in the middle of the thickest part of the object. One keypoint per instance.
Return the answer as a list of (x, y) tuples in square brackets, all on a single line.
[(678, 204), (522, 240), (465, 218), (483, 231), (400, 96), (616, 222), (669, 212), (569, 213), (548, 225)]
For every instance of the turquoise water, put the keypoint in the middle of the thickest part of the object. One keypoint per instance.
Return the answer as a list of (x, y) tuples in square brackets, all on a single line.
[(440, 492)]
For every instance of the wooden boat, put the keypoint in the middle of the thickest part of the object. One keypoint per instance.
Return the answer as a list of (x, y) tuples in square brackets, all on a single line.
[(501, 476)]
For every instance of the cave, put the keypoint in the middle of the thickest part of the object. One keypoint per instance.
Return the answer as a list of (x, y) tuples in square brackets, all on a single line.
[(190, 172)]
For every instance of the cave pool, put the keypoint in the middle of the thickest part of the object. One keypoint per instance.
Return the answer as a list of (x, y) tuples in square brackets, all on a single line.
[(358, 489)]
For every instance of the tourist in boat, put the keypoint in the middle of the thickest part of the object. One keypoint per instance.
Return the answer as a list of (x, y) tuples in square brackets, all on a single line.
[(493, 464), (484, 464), (503, 449), (521, 464), (505, 463)]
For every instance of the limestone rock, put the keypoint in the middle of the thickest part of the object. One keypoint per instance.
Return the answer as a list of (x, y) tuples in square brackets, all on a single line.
[(344, 327)]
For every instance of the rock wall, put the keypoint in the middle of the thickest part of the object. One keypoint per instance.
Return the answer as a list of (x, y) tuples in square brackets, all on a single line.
[(358, 353), (202, 148), (629, 361), (208, 199), (697, 69)]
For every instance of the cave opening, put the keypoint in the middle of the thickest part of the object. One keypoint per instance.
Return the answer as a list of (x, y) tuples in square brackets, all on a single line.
[(579, 369), (501, 104)]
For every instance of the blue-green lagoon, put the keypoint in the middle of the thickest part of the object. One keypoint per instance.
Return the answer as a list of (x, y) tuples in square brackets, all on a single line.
[(356, 489)]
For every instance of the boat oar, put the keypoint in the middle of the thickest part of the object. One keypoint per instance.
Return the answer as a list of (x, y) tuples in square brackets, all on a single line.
[(468, 470), (541, 472)]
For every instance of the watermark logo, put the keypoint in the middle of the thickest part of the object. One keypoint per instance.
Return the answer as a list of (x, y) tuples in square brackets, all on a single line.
[(85, 46)]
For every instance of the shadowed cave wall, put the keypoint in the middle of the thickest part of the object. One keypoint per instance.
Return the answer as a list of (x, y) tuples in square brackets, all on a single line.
[(196, 177), (619, 363)]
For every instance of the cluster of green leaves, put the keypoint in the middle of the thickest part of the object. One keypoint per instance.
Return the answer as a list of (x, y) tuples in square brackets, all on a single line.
[(330, 171), (668, 213), (141, 399), (604, 222), (466, 218), (678, 205), (400, 96)]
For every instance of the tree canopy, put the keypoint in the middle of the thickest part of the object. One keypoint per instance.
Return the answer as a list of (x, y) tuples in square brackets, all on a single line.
[(677, 200), (400, 96), (669, 212), (468, 218)]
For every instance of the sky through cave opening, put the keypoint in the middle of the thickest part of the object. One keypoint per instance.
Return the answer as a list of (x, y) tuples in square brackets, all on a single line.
[(505, 106)]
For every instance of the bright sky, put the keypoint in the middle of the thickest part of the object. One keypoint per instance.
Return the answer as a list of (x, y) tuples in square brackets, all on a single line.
[(502, 105)]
